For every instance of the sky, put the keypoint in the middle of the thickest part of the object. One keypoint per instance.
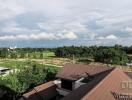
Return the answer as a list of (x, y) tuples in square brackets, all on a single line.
[(53, 23)]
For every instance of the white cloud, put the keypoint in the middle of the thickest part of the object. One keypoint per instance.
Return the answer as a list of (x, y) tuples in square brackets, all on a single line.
[(64, 19), (101, 38), (10, 9), (40, 36), (19, 30), (60, 26), (70, 35), (120, 41), (128, 29), (109, 37), (28, 37)]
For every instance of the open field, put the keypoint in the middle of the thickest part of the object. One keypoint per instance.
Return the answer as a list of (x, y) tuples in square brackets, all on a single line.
[(44, 54), (15, 64), (20, 63), (48, 54), (55, 62)]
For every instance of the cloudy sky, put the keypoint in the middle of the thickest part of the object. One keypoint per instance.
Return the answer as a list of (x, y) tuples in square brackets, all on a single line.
[(52, 23)]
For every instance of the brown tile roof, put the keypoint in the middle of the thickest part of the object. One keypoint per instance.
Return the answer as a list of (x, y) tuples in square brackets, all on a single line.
[(84, 89), (44, 91), (129, 74), (102, 88), (76, 71)]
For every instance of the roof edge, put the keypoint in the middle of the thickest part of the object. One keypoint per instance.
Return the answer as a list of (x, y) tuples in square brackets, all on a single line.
[(114, 69)]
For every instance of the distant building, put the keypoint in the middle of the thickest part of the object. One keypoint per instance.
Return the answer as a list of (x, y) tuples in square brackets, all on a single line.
[(85, 82)]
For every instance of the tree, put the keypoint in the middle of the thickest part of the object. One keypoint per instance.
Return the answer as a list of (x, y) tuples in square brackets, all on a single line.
[(22, 55), (111, 56), (32, 76), (50, 72), (12, 82), (13, 55), (41, 56), (3, 53), (28, 77)]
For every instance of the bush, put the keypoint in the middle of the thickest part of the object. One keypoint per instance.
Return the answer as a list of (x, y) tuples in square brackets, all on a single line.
[(28, 77)]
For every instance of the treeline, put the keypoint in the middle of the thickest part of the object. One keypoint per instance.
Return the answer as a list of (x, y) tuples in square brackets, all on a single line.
[(85, 51), (113, 55), (107, 54), (82, 51), (25, 53)]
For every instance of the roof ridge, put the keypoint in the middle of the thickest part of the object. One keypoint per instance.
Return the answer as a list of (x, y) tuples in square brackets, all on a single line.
[(114, 69), (80, 69)]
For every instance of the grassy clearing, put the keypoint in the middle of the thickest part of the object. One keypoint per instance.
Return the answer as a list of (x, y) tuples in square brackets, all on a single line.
[(38, 55), (48, 54), (21, 63), (55, 61), (16, 64)]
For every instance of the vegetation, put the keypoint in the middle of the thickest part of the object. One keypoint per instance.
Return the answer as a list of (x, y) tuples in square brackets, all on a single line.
[(16, 64), (32, 53), (111, 55), (28, 77), (33, 66)]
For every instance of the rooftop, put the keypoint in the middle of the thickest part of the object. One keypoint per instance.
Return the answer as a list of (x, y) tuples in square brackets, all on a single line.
[(44, 91), (76, 71), (101, 87), (107, 82), (129, 74)]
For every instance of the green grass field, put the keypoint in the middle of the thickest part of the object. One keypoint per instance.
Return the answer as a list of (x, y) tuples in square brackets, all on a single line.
[(31, 59), (45, 54), (16, 64), (21, 63), (48, 54), (39, 58)]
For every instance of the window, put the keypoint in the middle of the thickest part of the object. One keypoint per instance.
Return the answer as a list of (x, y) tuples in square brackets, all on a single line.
[(66, 84)]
